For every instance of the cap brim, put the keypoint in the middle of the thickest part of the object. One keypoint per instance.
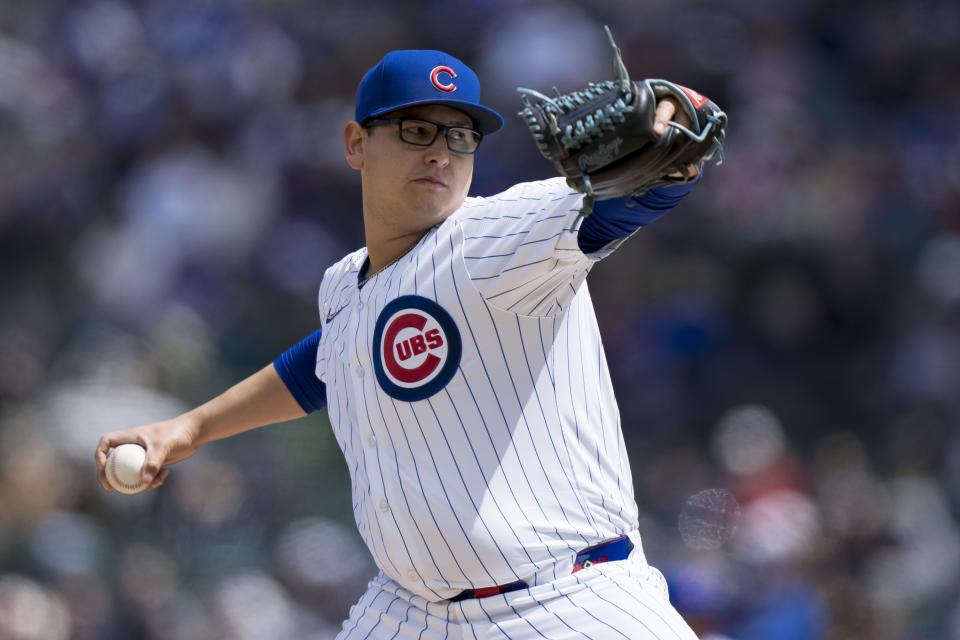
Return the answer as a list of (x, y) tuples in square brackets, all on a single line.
[(486, 120)]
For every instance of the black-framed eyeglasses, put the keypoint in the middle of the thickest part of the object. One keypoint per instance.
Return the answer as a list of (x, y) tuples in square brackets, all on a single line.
[(423, 133)]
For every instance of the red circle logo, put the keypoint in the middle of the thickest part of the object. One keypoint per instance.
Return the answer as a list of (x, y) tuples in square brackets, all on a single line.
[(416, 348), (435, 79), (413, 347)]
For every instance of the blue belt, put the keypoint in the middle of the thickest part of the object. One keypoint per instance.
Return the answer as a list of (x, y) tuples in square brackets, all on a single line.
[(607, 551)]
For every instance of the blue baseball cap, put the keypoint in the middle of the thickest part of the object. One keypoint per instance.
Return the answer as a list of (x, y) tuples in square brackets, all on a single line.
[(421, 76)]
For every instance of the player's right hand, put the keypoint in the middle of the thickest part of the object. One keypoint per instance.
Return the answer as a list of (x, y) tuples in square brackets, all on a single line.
[(166, 442)]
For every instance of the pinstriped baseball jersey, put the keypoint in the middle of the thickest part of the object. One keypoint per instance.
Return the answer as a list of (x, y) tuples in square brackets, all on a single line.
[(468, 388)]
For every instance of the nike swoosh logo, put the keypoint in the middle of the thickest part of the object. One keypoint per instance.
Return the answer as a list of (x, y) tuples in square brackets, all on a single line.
[(331, 316)]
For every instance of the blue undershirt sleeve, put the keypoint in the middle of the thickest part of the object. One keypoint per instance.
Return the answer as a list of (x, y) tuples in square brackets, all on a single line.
[(619, 217), (296, 367)]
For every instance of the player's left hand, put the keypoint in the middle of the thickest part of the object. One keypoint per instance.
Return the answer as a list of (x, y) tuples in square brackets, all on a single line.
[(668, 109), (621, 138)]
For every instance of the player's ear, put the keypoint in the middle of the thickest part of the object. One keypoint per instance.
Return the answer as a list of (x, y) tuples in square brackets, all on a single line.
[(354, 138)]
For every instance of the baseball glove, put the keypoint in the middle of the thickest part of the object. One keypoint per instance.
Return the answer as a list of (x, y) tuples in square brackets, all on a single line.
[(602, 141)]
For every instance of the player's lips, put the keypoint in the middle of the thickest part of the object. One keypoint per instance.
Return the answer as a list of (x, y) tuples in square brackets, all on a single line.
[(430, 181)]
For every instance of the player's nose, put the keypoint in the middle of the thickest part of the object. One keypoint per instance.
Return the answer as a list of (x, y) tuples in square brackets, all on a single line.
[(438, 153)]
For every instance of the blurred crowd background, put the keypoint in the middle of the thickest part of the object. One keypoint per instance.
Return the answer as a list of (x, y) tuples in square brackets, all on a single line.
[(785, 344)]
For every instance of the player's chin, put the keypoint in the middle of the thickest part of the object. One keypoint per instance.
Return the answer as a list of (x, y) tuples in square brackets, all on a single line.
[(432, 196), (432, 202)]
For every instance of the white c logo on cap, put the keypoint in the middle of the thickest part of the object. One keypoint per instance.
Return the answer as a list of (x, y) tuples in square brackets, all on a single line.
[(436, 82)]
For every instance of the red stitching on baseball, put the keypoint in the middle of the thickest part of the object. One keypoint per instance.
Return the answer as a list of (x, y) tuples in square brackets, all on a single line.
[(116, 478)]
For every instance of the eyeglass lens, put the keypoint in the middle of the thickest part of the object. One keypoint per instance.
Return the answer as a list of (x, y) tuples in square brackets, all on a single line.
[(422, 132)]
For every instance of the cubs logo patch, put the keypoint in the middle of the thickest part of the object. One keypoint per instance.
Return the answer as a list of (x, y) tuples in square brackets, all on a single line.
[(416, 348), (435, 78)]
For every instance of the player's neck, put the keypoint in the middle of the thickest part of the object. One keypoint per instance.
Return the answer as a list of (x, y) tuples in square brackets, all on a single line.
[(382, 252), (391, 230)]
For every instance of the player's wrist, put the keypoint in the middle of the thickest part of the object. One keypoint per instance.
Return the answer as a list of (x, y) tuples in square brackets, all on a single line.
[(194, 428)]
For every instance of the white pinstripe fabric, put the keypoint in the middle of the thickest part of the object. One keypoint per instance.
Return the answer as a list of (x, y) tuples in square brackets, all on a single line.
[(518, 461), (624, 600)]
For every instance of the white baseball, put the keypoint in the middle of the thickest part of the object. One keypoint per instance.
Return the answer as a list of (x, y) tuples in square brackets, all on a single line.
[(124, 466)]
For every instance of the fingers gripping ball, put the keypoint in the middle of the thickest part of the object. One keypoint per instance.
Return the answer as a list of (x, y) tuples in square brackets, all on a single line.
[(602, 138), (124, 468)]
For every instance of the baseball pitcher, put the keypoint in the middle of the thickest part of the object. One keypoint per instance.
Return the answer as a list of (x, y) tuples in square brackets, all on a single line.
[(459, 359)]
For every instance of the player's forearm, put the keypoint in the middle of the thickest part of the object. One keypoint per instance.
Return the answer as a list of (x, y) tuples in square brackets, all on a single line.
[(259, 400), (620, 217)]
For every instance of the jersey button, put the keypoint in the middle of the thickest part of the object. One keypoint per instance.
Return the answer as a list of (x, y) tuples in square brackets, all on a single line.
[(359, 305), (371, 440), (384, 505), (359, 371), (413, 575)]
